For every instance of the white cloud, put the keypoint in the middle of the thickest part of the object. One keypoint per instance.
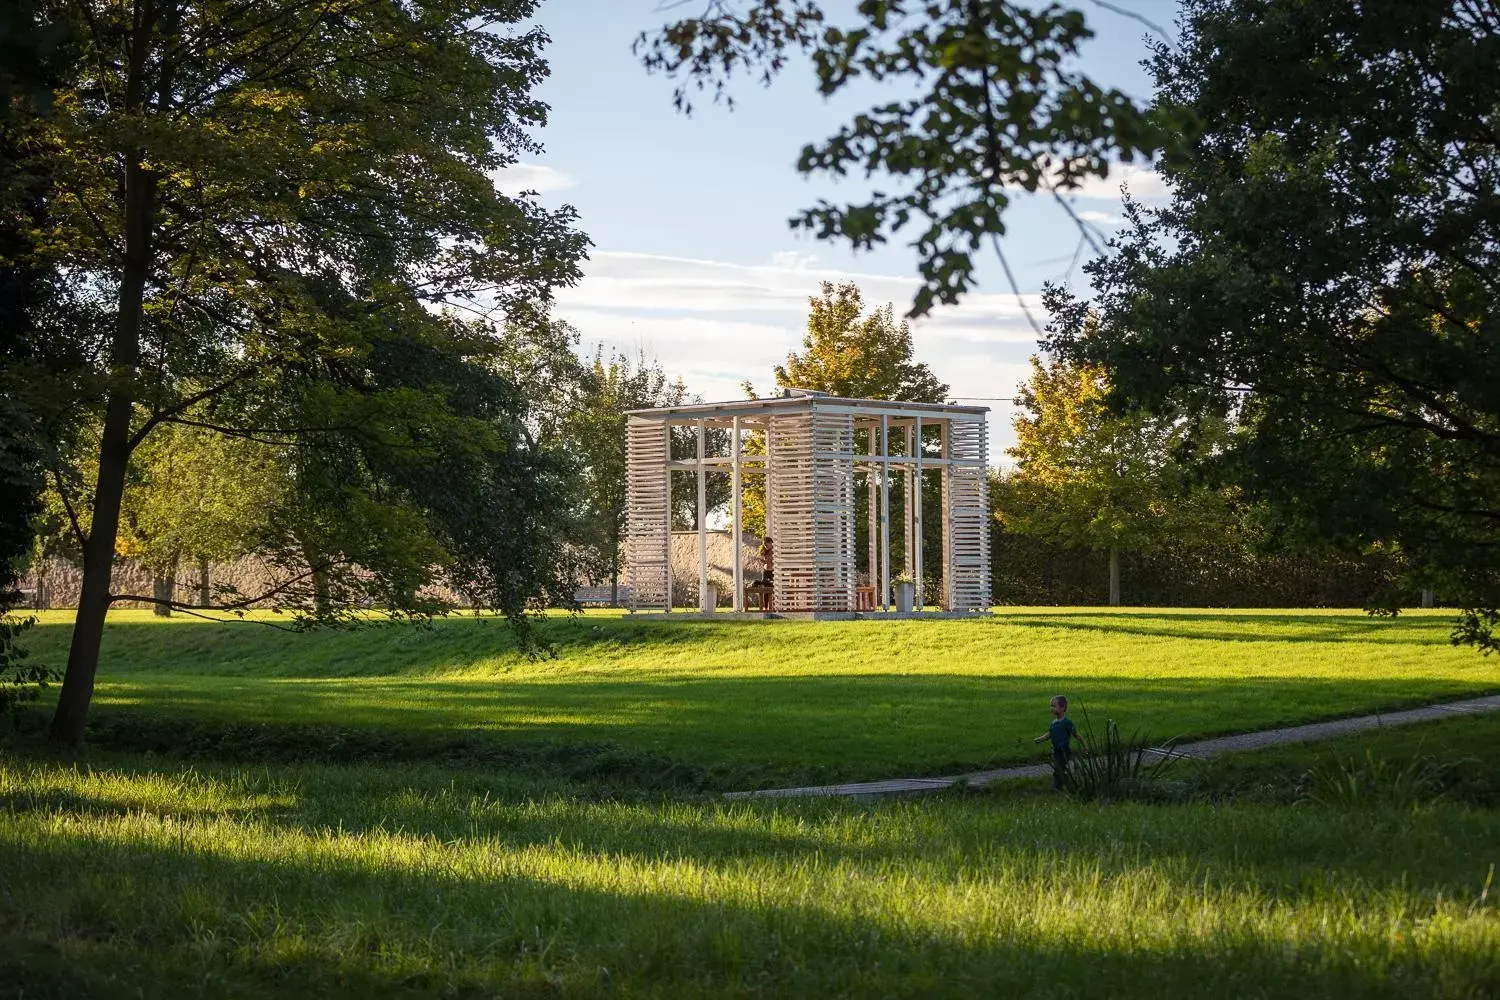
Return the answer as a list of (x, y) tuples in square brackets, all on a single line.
[(519, 177), (794, 259), (1100, 218), (717, 324), (1144, 184), (634, 281)]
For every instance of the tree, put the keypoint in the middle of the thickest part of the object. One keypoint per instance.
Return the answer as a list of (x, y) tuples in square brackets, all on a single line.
[(198, 497), (542, 355), (32, 60), (617, 383), (1327, 274), (999, 107), (1087, 477), (261, 205), (29, 63), (848, 352)]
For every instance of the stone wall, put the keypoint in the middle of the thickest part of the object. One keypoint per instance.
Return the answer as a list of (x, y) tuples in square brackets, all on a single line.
[(57, 582)]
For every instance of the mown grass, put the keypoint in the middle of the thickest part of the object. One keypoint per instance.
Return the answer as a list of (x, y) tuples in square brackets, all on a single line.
[(502, 827), (126, 876), (756, 703), (1466, 749)]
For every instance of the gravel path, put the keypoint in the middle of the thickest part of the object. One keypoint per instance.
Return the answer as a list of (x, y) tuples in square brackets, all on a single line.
[(1201, 749)]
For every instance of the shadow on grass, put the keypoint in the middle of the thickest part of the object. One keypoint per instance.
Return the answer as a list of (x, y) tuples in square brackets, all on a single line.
[(97, 915), (583, 768), (708, 732)]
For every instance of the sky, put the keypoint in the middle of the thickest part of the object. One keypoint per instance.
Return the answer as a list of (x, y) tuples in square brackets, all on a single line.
[(693, 259)]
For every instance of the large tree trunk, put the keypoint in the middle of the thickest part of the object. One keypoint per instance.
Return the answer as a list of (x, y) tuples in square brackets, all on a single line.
[(114, 456), (1114, 577), (317, 571), (77, 690), (322, 594), (1427, 597)]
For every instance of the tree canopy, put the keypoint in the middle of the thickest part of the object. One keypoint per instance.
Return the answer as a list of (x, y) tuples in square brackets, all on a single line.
[(1327, 274), (29, 68), (262, 212), (1000, 107), (847, 352), (1088, 477)]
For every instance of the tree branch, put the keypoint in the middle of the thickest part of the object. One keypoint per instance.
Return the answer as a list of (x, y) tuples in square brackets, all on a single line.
[(1140, 18), (233, 606), (62, 493), (1016, 288), (196, 611), (180, 406)]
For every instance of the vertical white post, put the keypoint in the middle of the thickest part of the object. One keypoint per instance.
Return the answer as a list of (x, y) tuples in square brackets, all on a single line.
[(907, 550), (666, 429), (736, 511), (946, 450), (885, 512), (916, 504), (702, 521), (770, 530), (873, 559)]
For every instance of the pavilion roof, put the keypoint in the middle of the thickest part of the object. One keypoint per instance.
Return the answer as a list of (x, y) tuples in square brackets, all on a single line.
[(807, 401)]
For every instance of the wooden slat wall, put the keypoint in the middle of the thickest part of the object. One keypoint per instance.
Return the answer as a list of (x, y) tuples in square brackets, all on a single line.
[(833, 511), (790, 509), (944, 507), (648, 515), (967, 541)]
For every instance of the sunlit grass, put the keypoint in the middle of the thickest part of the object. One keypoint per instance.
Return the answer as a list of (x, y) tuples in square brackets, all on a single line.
[(343, 880), (771, 701), (547, 873)]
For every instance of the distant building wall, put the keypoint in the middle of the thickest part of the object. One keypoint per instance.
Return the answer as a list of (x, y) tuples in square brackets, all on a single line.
[(720, 566), (57, 582)]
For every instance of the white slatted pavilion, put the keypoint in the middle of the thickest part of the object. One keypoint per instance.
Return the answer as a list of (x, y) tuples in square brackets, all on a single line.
[(808, 447)]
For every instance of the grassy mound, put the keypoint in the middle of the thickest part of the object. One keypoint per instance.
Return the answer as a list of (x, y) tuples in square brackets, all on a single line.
[(769, 702), (405, 812)]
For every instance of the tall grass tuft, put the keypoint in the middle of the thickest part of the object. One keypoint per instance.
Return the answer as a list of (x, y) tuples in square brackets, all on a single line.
[(1353, 782), (1118, 768)]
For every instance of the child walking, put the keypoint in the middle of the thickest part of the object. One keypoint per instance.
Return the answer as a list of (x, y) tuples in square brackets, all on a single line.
[(1061, 734)]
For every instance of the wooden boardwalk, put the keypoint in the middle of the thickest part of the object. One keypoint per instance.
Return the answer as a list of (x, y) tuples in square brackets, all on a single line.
[(1202, 749)]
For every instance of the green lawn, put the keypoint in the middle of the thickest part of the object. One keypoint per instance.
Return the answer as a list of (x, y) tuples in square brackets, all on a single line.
[(765, 702), (126, 876), (1467, 748), (537, 865)]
